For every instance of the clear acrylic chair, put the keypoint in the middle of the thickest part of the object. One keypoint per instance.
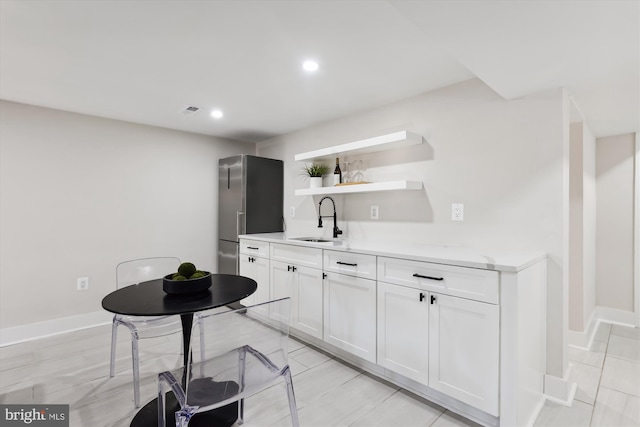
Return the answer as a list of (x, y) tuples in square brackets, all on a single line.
[(133, 272), (246, 351)]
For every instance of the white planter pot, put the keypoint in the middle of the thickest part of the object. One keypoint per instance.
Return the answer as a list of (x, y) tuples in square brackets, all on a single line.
[(315, 182)]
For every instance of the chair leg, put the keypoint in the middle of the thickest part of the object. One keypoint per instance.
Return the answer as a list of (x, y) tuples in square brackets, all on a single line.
[(136, 370), (114, 338), (292, 398), (183, 416), (201, 328), (162, 402), (240, 419), (242, 358)]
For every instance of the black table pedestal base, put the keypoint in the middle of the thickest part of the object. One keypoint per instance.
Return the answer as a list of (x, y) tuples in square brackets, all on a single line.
[(148, 415)]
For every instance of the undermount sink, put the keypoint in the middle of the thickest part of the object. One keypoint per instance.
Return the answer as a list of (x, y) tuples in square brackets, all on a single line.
[(311, 239)]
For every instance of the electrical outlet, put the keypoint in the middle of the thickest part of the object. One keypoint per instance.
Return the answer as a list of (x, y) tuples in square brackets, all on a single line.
[(457, 212), (292, 211), (83, 283), (374, 212)]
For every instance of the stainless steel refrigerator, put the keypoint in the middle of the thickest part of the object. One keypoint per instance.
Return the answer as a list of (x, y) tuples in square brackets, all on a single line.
[(250, 199)]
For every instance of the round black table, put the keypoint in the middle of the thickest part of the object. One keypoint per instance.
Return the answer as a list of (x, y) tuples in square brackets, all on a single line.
[(149, 299)]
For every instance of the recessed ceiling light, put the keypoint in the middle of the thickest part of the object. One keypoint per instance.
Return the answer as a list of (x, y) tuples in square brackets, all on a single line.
[(310, 66), (217, 114)]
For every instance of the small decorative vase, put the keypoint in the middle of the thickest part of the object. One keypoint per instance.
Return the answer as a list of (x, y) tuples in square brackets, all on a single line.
[(315, 182)]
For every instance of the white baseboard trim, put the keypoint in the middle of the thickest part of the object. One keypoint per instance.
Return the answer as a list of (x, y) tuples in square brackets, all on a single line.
[(584, 340), (32, 331), (616, 316), (536, 412), (560, 390)]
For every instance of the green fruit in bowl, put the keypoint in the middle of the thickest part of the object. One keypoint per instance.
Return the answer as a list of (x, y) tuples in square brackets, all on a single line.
[(186, 269), (197, 275), (178, 277)]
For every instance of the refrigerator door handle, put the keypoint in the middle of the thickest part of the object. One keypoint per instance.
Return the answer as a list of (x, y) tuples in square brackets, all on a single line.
[(238, 223)]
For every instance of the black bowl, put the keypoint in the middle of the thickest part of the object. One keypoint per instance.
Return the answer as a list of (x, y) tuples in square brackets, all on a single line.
[(189, 286)]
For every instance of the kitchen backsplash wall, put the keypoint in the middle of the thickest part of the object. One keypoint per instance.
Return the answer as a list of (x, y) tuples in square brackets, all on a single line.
[(502, 159)]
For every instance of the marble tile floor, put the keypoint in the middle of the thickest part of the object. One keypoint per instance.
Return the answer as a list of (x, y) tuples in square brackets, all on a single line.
[(73, 368), (608, 380)]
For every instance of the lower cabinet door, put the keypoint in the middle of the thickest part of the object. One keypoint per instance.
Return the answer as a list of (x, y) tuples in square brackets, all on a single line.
[(464, 350), (257, 269), (304, 286), (284, 283), (350, 314), (309, 301), (403, 331)]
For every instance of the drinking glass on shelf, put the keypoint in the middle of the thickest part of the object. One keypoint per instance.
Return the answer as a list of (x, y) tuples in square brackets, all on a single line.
[(358, 173), (346, 175)]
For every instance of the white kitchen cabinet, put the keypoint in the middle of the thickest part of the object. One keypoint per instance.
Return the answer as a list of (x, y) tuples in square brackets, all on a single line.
[(449, 343), (254, 263), (350, 314), (471, 283), (464, 353), (284, 281), (298, 255), (304, 286), (478, 350), (351, 264), (403, 337), (452, 314), (254, 247)]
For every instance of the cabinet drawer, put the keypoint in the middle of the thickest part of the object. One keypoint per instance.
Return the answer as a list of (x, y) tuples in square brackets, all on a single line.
[(254, 247), (471, 283), (358, 265), (297, 255)]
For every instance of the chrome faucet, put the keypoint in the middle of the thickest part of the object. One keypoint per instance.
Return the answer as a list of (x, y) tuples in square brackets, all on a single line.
[(336, 230)]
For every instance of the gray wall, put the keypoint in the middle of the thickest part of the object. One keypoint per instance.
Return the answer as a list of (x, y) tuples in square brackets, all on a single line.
[(78, 194), (614, 222)]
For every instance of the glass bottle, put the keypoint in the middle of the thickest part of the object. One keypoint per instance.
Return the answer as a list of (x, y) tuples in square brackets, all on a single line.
[(337, 173)]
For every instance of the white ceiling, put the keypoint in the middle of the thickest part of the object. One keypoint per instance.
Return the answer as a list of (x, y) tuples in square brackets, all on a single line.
[(144, 61)]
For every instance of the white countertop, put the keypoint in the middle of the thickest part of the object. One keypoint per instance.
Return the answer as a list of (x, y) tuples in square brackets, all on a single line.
[(510, 261)]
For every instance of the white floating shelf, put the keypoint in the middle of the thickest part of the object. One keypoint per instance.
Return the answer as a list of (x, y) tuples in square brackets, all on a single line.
[(364, 146), (362, 188)]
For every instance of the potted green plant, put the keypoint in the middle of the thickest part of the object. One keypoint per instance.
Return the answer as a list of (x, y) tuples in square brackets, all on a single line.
[(315, 173)]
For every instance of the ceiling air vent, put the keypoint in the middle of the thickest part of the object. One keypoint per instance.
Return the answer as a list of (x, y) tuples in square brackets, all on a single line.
[(190, 109)]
